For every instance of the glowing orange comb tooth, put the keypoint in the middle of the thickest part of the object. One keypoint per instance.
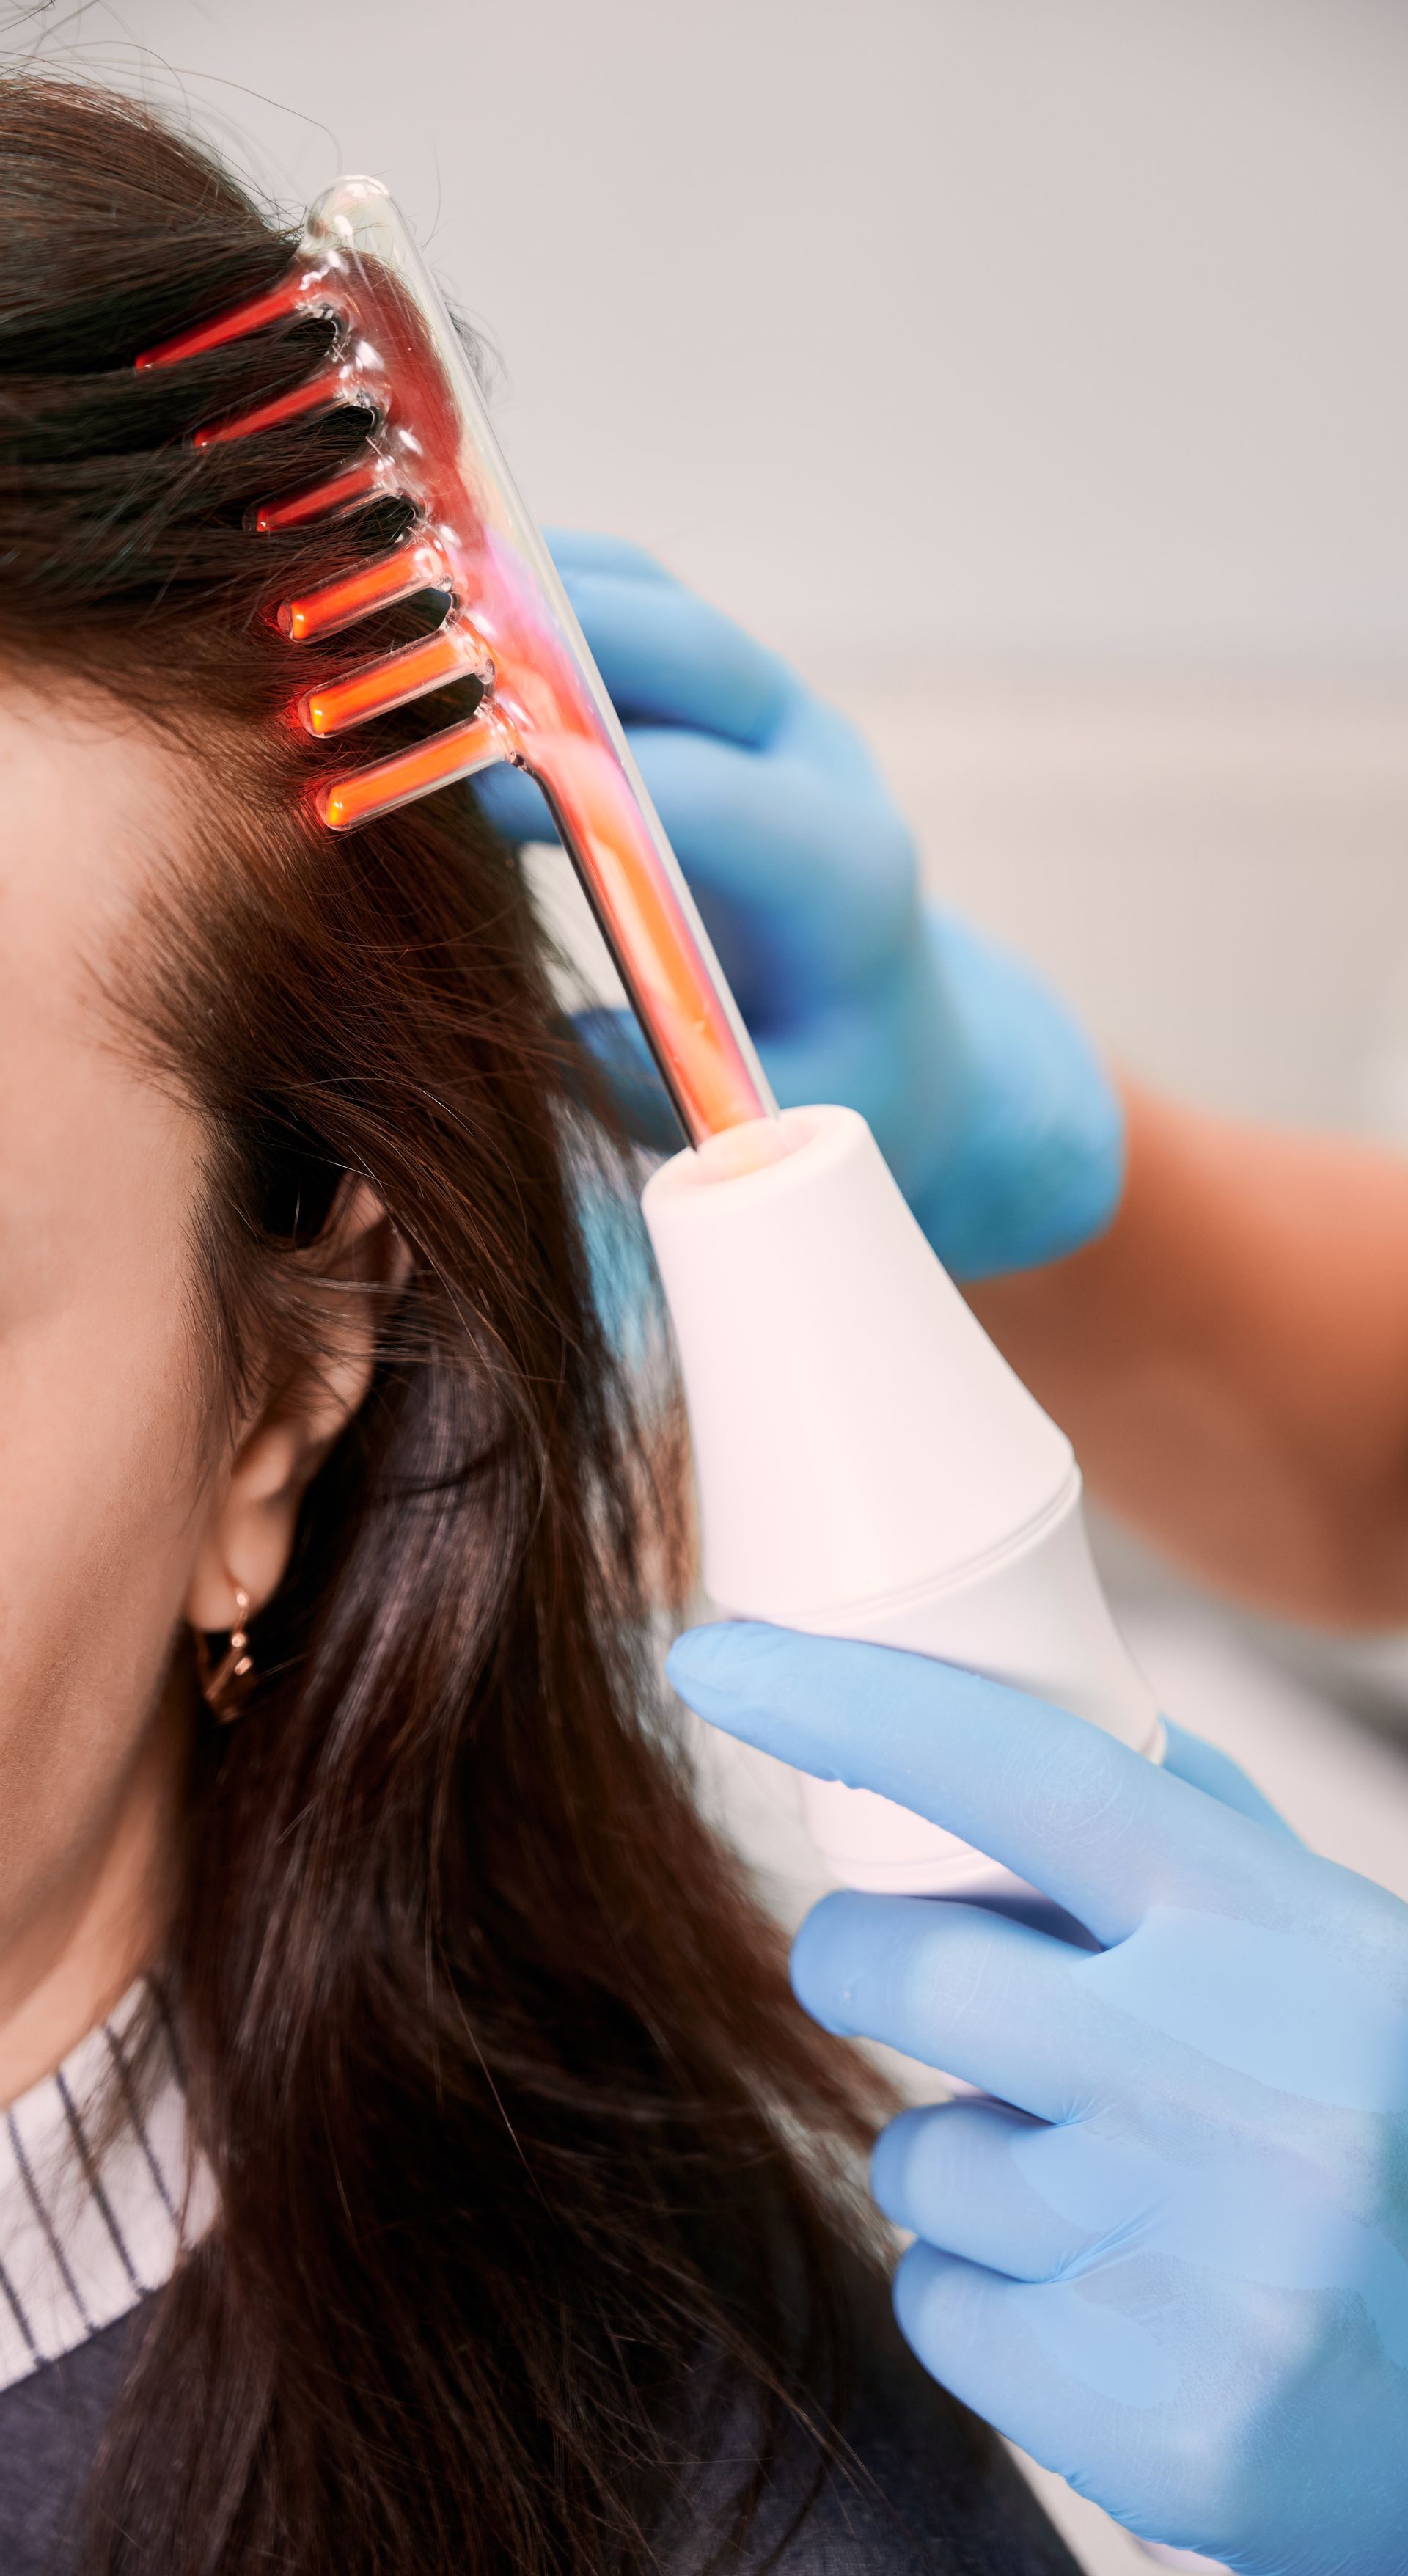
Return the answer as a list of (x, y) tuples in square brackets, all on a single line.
[(453, 652), (418, 565), (430, 444), (323, 392), (364, 795), (293, 294), (325, 500)]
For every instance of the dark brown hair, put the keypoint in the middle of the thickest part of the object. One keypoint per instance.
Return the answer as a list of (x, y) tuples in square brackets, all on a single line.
[(521, 2144)]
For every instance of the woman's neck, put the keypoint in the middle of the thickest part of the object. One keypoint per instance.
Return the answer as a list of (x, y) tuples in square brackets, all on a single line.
[(101, 1919)]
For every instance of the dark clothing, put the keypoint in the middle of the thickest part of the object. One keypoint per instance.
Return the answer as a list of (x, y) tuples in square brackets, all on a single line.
[(50, 2428), (921, 2489), (925, 2491)]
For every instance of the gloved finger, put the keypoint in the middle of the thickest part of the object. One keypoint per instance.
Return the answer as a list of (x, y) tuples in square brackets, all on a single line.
[(810, 726), (588, 550), (1084, 1819), (667, 656), (1205, 1766), (948, 2173), (1041, 2361), (803, 891), (974, 1993), (763, 847), (835, 1051)]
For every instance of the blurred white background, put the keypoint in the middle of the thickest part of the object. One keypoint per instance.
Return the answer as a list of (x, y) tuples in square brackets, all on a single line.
[(1036, 371), (1010, 327)]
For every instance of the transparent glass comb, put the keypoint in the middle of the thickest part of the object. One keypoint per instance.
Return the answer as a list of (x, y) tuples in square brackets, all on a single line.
[(396, 357)]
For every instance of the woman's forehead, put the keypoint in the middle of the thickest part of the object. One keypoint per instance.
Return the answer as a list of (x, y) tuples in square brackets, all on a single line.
[(87, 797), (85, 802)]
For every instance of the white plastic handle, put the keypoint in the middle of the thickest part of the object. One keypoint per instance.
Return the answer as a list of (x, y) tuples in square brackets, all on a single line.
[(868, 1464)]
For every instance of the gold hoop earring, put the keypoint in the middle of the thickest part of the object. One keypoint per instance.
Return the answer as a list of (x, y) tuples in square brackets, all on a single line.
[(224, 1685)]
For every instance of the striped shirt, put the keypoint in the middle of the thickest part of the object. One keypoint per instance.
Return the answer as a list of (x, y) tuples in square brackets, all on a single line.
[(98, 2190)]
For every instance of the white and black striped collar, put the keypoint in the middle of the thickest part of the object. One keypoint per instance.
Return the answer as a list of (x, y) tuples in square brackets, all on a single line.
[(97, 2190)]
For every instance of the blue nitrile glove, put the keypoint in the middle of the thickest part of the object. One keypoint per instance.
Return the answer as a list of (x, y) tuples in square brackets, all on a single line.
[(989, 1104), (1177, 2269)]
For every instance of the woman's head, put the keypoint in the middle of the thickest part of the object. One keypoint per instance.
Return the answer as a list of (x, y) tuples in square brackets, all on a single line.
[(490, 2056), (212, 1026)]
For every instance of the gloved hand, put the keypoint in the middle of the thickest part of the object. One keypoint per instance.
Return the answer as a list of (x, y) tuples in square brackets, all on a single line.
[(986, 1099), (1176, 2268)]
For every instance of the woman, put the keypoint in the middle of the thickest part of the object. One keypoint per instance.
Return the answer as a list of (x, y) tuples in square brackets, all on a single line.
[(415, 2158)]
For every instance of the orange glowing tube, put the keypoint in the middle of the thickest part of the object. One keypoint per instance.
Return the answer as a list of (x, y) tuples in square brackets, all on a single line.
[(394, 680), (363, 795), (391, 578), (709, 1075), (398, 361), (322, 500), (289, 296), (320, 394)]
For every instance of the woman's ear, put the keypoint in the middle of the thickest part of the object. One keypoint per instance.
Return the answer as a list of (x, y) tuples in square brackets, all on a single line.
[(356, 1268)]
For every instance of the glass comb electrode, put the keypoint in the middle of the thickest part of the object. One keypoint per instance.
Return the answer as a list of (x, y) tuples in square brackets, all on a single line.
[(397, 357), (867, 1464)]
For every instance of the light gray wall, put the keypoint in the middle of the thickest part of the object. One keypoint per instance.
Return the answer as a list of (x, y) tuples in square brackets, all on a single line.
[(1036, 369), (1001, 327)]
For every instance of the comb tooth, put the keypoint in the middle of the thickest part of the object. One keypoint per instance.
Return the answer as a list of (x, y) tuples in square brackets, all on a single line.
[(394, 679), (364, 794), (321, 393), (292, 295), (408, 569), (340, 492)]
